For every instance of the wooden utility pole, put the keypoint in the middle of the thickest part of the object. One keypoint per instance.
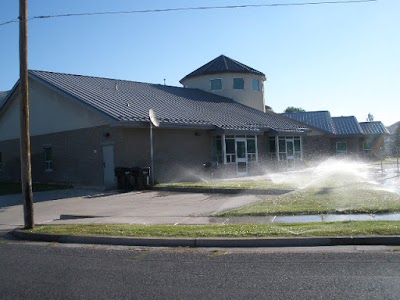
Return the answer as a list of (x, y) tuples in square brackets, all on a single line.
[(25, 145)]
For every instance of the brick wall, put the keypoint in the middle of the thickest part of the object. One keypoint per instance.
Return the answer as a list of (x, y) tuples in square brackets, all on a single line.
[(77, 157)]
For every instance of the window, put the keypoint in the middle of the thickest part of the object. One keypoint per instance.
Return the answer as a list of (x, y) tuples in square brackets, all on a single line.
[(367, 145), (282, 148), (216, 84), (341, 148), (271, 148), (251, 149), (256, 84), (217, 149), (297, 148), (230, 150), (48, 159), (238, 83), (290, 147)]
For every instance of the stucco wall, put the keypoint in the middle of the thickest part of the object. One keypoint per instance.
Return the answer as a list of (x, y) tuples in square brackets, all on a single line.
[(49, 112), (247, 96)]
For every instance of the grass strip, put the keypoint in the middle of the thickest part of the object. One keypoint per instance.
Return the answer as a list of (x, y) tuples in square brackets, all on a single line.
[(347, 228), (7, 188), (256, 184), (356, 198)]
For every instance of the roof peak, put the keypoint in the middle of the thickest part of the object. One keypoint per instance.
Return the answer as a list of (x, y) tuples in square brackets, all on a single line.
[(222, 64)]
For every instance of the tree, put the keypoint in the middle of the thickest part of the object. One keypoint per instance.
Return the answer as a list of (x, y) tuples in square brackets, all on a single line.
[(370, 118), (292, 109)]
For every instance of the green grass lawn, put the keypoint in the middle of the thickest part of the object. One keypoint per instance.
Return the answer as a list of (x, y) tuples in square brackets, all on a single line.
[(7, 188), (229, 231), (333, 195), (256, 184)]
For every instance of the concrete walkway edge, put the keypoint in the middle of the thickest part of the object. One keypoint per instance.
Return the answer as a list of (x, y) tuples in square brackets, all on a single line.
[(212, 242)]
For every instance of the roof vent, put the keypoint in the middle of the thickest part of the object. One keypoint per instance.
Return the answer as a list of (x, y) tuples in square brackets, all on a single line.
[(116, 86)]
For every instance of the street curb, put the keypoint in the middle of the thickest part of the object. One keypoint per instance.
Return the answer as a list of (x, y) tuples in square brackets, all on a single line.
[(223, 191), (212, 242)]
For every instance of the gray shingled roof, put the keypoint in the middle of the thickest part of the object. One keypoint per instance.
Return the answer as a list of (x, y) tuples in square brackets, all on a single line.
[(222, 64), (130, 101), (318, 119), (374, 128)]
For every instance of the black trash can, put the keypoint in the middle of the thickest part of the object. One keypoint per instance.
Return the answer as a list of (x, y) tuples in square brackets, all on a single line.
[(142, 178), (124, 178)]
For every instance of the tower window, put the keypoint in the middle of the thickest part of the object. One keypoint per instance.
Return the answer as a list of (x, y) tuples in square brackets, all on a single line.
[(216, 84), (238, 83), (256, 84)]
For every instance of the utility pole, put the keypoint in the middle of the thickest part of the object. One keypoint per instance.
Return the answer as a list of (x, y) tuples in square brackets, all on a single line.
[(25, 145)]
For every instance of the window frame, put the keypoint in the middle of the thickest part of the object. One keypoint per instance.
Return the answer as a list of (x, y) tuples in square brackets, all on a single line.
[(213, 80), (340, 152), (241, 83), (258, 85)]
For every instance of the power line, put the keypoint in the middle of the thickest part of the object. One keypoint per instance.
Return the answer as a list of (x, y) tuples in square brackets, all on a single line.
[(190, 8)]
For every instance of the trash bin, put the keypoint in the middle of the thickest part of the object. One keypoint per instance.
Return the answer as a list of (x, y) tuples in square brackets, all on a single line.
[(142, 178), (124, 178)]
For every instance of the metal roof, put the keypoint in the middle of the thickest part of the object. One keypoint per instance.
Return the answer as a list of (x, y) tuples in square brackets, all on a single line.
[(318, 119), (374, 128), (337, 126), (3, 96), (347, 126), (222, 64), (130, 101)]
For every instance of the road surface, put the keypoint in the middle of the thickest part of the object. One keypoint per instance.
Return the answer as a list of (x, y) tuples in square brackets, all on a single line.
[(54, 271)]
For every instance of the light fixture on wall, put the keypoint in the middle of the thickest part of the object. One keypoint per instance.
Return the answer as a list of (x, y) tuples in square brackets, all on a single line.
[(196, 133), (106, 134)]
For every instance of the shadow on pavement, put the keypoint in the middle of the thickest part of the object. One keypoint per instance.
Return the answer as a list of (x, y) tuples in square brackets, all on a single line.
[(16, 199)]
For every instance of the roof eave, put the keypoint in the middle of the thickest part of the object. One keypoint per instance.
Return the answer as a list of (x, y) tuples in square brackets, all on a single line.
[(264, 77)]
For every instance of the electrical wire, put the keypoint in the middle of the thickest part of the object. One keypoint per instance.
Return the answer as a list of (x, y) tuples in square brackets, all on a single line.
[(189, 9)]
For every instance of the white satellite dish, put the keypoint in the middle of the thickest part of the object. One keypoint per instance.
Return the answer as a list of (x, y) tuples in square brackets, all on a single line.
[(153, 118)]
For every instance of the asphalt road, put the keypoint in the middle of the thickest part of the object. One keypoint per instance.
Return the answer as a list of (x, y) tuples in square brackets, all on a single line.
[(53, 271)]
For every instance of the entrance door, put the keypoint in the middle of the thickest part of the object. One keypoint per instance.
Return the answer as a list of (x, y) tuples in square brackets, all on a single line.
[(108, 166), (241, 156), (289, 149)]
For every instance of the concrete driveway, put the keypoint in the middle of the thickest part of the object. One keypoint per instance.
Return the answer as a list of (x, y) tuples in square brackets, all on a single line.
[(91, 206)]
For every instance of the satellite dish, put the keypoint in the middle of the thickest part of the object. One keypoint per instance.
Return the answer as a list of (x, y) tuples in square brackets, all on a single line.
[(153, 118)]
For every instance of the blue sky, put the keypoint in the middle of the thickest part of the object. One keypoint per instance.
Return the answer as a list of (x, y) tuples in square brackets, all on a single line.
[(344, 58)]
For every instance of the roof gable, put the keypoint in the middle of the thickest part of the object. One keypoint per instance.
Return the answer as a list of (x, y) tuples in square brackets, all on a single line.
[(222, 64)]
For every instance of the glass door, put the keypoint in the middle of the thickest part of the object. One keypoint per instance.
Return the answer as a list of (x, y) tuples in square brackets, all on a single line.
[(289, 149), (241, 156)]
